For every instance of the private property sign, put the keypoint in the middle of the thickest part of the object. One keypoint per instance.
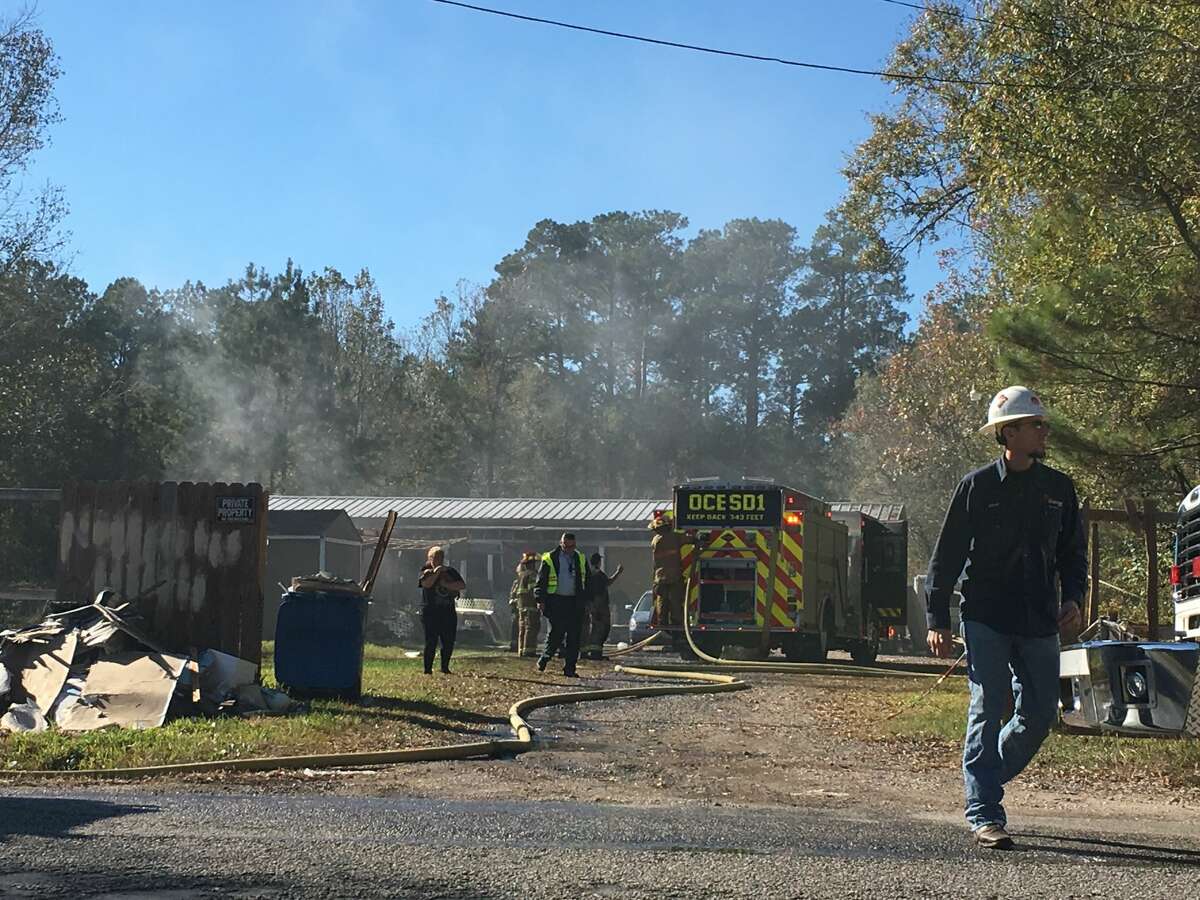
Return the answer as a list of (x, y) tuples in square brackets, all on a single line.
[(235, 510)]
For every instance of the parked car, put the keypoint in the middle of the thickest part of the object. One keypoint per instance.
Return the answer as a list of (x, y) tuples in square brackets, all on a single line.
[(639, 618)]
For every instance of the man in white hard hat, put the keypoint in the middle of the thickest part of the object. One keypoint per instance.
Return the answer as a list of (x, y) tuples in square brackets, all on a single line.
[(1015, 526)]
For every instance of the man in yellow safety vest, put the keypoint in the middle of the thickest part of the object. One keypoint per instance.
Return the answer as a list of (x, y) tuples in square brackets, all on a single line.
[(562, 595)]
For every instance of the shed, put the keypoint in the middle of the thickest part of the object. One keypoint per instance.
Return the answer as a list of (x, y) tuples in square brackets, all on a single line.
[(304, 541)]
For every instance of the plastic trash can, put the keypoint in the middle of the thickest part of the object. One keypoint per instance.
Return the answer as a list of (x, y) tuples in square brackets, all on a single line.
[(319, 644)]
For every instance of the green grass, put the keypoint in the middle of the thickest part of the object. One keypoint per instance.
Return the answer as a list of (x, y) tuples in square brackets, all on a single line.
[(402, 707), (940, 720)]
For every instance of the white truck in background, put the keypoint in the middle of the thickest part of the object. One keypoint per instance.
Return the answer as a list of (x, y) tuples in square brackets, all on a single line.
[(1117, 684)]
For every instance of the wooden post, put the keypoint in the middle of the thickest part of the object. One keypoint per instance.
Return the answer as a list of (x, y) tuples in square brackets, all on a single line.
[(1093, 600), (1151, 571)]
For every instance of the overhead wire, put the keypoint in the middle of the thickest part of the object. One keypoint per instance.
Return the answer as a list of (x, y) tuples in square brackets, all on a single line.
[(754, 57)]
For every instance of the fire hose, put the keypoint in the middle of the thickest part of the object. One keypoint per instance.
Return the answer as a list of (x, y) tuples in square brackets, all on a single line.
[(704, 681)]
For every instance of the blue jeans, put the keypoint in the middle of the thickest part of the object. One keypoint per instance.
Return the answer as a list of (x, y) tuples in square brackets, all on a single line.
[(992, 755)]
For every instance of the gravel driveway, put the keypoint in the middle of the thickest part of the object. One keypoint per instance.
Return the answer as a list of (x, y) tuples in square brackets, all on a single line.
[(759, 794)]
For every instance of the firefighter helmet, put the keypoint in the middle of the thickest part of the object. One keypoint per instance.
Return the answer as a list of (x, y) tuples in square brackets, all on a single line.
[(1012, 403), (661, 517)]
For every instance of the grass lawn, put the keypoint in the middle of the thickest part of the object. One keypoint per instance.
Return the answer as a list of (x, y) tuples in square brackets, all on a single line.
[(940, 719), (402, 707)]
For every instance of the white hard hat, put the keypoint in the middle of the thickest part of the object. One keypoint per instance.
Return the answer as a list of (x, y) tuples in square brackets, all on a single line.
[(1012, 403)]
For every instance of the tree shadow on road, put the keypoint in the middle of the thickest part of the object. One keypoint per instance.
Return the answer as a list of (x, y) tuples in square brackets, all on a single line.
[(57, 816), (1103, 848)]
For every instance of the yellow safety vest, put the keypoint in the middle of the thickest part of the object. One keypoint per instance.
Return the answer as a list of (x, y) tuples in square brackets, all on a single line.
[(552, 581)]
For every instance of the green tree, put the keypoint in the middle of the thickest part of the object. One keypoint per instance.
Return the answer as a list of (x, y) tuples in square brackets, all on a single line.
[(1066, 153), (848, 320), (28, 70), (741, 280), (912, 430)]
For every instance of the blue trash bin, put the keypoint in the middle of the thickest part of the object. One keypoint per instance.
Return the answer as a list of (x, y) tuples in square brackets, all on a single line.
[(319, 644)]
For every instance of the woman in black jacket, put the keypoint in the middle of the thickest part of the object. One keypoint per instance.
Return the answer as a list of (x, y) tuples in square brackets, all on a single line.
[(440, 587)]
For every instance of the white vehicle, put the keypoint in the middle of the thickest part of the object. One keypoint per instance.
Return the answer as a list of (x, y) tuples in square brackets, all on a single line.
[(1124, 686), (1185, 569), (639, 617)]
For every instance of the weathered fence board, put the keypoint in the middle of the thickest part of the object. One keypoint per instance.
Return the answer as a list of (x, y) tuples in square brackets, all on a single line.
[(206, 541)]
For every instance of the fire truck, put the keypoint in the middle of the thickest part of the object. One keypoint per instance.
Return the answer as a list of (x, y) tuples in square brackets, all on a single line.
[(769, 567)]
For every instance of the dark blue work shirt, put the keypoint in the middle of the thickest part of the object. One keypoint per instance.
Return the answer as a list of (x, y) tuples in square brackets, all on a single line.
[(1021, 537)]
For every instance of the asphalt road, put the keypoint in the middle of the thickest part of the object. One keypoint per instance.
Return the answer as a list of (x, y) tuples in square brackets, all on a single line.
[(126, 842)]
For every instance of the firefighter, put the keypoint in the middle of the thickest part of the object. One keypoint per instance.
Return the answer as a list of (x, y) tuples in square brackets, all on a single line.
[(665, 547), (561, 593), (1015, 524), (598, 618), (528, 618)]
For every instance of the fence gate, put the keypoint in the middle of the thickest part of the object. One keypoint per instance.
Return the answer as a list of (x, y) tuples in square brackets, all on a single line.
[(207, 542)]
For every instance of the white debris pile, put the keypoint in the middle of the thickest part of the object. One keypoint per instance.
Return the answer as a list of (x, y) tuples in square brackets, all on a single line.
[(97, 667)]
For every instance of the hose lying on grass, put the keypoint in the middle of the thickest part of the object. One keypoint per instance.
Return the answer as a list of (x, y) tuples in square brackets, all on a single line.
[(705, 683)]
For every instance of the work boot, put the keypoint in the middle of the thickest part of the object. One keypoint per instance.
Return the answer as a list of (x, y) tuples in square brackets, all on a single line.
[(993, 837), (542, 662), (571, 674)]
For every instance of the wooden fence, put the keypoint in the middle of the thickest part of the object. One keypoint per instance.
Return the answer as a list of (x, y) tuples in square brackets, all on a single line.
[(1145, 522), (207, 542)]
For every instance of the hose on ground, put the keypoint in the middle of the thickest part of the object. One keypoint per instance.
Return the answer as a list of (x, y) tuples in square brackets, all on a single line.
[(794, 668), (621, 651), (522, 741)]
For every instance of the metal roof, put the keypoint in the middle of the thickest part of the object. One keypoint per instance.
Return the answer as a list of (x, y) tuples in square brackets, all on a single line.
[(302, 521), (464, 511), (884, 512)]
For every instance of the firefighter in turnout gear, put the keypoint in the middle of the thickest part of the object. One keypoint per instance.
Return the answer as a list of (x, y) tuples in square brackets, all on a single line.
[(665, 547), (529, 620), (598, 615)]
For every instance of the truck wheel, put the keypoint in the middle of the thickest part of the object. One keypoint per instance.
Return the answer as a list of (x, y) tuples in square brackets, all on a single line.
[(684, 649), (865, 652), (812, 647)]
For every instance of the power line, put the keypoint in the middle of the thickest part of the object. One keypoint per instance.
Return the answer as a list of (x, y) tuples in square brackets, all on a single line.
[(957, 13), (849, 70)]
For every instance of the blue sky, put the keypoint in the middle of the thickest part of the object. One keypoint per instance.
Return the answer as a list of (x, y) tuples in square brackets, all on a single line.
[(422, 141)]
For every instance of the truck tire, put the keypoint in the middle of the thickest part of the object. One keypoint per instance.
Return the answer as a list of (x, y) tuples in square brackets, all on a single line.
[(812, 647), (865, 652), (684, 649)]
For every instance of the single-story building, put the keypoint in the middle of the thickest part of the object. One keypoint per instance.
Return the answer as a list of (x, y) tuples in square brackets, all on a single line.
[(484, 540)]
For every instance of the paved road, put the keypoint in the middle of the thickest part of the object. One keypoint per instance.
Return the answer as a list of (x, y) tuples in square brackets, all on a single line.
[(133, 843)]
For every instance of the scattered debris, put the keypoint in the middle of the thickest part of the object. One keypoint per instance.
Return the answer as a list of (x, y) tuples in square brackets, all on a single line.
[(327, 583), (98, 666), (129, 690), (23, 717)]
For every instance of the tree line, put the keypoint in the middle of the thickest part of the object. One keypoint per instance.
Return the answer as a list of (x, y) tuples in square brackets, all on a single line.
[(607, 357), (1049, 150)]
